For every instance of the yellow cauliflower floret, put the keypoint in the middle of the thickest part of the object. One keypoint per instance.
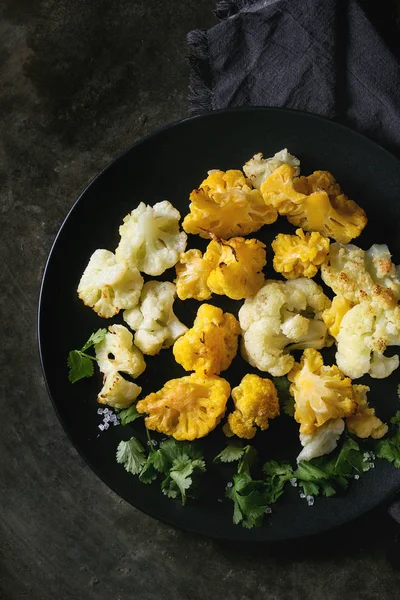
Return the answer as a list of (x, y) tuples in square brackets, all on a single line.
[(332, 316), (320, 392), (186, 408), (226, 205), (315, 203), (256, 401), (192, 272), (211, 345), (237, 267), (299, 255), (364, 423)]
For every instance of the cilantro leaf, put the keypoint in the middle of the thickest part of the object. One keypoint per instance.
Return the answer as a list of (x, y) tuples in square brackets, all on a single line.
[(128, 415), (389, 448), (324, 475), (278, 474), (286, 400), (151, 468), (179, 462), (233, 451), (96, 337), (179, 479), (79, 366), (250, 500), (131, 455)]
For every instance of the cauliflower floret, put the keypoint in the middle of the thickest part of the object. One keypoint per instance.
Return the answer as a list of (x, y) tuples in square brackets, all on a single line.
[(315, 203), (256, 401), (192, 272), (281, 317), (186, 408), (117, 392), (365, 332), (323, 441), (150, 238), (211, 345), (226, 205), (299, 255), (116, 353), (257, 169), (364, 423), (320, 392), (154, 320), (108, 286), (358, 275), (237, 267), (332, 317)]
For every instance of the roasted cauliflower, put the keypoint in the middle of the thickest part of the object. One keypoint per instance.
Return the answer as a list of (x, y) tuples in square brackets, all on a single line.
[(358, 275), (320, 392), (299, 255), (186, 408), (226, 205), (258, 168), (332, 316), (364, 423), (273, 323), (108, 286), (150, 238), (211, 344), (314, 203), (323, 441), (256, 401), (117, 391), (116, 353), (365, 332), (192, 273), (154, 320), (237, 267)]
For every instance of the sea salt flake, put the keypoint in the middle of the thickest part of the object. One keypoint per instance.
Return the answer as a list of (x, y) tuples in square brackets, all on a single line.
[(229, 484), (310, 500), (302, 495), (268, 510), (356, 476)]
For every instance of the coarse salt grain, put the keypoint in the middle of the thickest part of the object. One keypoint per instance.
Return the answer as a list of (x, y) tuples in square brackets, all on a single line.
[(356, 476), (101, 427), (229, 484), (302, 495), (310, 500), (100, 411), (268, 510), (293, 482)]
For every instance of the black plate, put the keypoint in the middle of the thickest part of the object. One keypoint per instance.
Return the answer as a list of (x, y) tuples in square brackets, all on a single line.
[(168, 165)]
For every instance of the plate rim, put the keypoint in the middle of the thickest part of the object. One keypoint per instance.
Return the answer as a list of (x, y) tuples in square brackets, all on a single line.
[(39, 317)]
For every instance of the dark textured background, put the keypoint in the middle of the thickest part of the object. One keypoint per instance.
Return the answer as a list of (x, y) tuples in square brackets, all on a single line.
[(80, 80)]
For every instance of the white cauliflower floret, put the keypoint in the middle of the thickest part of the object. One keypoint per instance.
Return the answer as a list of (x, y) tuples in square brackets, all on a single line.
[(257, 169), (358, 275), (153, 319), (281, 317), (117, 353), (117, 391), (108, 286), (365, 332), (150, 238), (323, 441)]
